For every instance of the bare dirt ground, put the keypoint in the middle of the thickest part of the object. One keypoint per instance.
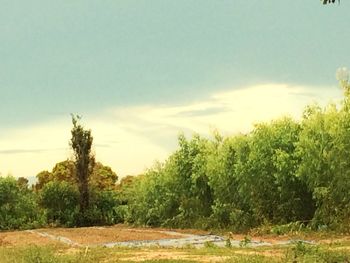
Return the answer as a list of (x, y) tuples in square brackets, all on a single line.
[(101, 235), (154, 244), (90, 236), (23, 238), (125, 235)]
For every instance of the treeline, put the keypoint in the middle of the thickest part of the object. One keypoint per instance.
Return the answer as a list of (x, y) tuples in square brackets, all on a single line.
[(281, 172)]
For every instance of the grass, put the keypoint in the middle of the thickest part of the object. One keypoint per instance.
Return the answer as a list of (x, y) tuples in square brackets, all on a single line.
[(298, 252)]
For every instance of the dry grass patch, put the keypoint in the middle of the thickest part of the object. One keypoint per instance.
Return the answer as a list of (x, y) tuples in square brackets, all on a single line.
[(172, 255), (265, 253)]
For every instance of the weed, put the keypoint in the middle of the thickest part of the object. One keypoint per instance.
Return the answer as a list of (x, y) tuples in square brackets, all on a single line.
[(245, 242), (209, 244), (293, 227), (228, 243)]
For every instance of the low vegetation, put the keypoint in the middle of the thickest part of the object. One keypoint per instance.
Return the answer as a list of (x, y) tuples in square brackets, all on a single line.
[(298, 252)]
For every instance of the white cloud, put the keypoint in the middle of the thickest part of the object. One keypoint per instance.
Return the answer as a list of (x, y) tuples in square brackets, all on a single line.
[(129, 139)]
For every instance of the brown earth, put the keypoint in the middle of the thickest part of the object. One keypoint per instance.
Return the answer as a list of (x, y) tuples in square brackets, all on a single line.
[(88, 235), (23, 238), (120, 233), (100, 235)]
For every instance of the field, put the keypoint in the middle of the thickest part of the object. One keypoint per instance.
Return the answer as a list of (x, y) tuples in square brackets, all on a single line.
[(124, 244)]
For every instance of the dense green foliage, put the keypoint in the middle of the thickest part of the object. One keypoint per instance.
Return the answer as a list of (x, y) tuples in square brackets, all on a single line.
[(60, 199), (59, 195), (18, 206), (283, 171)]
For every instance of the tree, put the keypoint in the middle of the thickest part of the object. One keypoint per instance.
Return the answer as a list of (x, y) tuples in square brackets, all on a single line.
[(22, 182), (81, 143), (230, 209), (43, 178), (329, 1), (268, 177), (102, 177)]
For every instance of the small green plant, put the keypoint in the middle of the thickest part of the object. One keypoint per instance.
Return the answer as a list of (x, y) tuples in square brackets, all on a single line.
[(293, 227), (209, 244), (302, 249), (299, 249), (245, 241), (228, 243)]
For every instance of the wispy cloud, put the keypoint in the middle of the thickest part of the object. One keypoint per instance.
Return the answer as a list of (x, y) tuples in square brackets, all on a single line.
[(20, 151)]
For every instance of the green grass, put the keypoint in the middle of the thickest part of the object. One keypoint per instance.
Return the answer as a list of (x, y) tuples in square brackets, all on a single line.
[(46, 254), (298, 252)]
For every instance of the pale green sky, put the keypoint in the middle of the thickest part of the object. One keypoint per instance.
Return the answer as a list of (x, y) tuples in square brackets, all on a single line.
[(103, 59)]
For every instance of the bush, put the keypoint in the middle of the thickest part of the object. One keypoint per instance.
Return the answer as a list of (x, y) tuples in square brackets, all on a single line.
[(102, 209), (60, 200), (18, 206)]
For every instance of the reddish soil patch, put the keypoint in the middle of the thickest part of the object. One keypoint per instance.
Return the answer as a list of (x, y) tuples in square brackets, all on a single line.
[(189, 231), (23, 238), (100, 235), (183, 231)]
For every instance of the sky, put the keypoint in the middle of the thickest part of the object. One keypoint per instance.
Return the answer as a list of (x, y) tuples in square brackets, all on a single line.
[(142, 71)]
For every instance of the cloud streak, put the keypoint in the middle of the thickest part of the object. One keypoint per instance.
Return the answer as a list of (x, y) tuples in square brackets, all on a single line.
[(20, 151)]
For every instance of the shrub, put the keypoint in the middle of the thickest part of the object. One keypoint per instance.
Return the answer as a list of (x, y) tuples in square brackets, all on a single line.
[(60, 200), (18, 206)]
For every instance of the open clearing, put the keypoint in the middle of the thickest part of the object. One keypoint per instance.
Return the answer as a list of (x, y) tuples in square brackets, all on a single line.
[(94, 236), (121, 235), (118, 235), (122, 243)]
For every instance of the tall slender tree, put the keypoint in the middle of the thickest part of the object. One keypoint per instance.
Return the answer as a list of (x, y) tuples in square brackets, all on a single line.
[(81, 143)]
